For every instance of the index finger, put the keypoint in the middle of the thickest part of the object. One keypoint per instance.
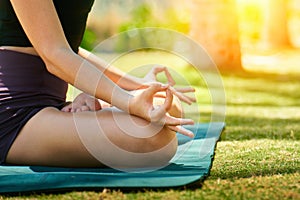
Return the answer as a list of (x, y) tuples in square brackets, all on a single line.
[(168, 100), (169, 77), (158, 69)]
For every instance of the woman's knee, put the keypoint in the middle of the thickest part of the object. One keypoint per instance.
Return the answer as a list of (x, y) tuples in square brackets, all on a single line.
[(138, 142), (164, 145)]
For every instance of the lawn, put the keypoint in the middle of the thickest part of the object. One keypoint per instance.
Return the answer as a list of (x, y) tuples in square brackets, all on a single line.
[(258, 156)]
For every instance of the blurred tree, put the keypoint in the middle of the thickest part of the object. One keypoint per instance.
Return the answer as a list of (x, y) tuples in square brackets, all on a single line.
[(275, 32), (214, 25)]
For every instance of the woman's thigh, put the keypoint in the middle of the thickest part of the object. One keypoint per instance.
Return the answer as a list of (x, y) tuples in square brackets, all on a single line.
[(87, 139)]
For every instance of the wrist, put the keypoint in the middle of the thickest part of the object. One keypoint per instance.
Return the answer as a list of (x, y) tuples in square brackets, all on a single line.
[(122, 100), (131, 82)]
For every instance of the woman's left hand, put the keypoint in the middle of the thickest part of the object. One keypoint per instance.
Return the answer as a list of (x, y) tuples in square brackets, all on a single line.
[(83, 102), (151, 77)]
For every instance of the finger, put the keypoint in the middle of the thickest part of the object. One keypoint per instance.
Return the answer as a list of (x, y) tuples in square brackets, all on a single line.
[(158, 115), (77, 110), (154, 71), (67, 108), (181, 96), (159, 112), (97, 105), (163, 95), (154, 88), (185, 89), (158, 69), (74, 106), (180, 92), (168, 100), (187, 98), (93, 104), (84, 108), (160, 95), (170, 120), (169, 77), (182, 130), (192, 99)]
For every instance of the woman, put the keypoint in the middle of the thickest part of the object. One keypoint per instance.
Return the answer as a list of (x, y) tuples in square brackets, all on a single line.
[(39, 56)]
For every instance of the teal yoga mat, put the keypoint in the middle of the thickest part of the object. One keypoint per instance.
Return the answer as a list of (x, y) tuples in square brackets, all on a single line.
[(191, 163)]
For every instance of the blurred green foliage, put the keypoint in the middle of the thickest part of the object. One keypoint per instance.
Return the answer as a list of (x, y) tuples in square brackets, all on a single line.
[(89, 39), (143, 17)]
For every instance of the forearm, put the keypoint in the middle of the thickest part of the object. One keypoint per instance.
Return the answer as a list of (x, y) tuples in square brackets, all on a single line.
[(86, 77), (46, 34), (125, 81)]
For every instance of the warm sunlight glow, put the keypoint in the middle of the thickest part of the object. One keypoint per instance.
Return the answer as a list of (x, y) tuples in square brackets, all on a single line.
[(250, 19), (269, 35)]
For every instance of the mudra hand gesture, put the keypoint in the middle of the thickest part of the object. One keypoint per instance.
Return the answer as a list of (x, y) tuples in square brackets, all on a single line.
[(160, 114), (142, 106), (151, 77)]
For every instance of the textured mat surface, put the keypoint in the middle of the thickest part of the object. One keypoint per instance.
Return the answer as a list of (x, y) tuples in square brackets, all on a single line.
[(191, 163)]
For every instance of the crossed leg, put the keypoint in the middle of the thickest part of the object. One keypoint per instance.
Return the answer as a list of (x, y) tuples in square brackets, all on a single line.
[(89, 139)]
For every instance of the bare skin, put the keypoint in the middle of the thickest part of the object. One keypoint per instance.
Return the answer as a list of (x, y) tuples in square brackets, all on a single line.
[(58, 137), (50, 138)]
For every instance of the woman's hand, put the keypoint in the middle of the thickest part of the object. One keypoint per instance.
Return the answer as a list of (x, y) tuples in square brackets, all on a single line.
[(151, 77), (83, 102), (142, 106)]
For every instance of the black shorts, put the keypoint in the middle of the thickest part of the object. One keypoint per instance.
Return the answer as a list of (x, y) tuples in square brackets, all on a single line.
[(26, 87)]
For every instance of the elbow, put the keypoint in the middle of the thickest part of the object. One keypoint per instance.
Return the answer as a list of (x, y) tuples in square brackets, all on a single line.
[(54, 58)]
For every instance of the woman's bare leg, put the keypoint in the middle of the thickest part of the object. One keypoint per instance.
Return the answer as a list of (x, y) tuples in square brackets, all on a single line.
[(55, 138)]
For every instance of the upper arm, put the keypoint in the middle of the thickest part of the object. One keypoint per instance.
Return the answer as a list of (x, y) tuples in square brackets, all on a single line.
[(41, 24)]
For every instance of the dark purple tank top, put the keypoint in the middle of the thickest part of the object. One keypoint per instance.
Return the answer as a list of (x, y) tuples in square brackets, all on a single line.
[(72, 14)]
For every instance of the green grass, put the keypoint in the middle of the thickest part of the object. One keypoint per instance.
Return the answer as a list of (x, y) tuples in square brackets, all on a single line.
[(258, 156)]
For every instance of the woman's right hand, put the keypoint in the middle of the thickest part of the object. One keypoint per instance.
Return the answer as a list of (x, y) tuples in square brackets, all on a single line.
[(142, 106)]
